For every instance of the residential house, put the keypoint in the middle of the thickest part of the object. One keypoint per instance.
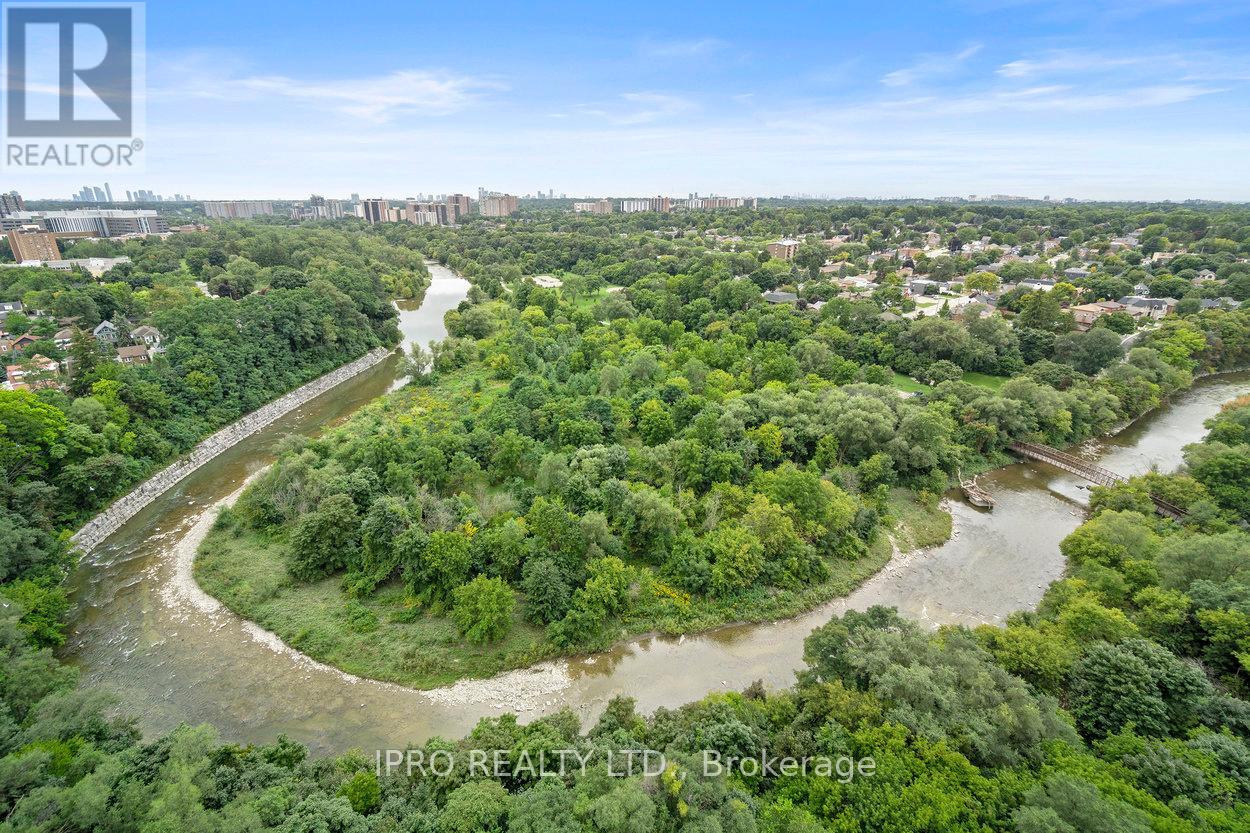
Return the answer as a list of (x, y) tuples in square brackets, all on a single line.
[(38, 372), (923, 286), (1044, 284), (7, 307), (133, 354), (149, 336), (1156, 308), (23, 341), (1205, 276), (63, 337), (776, 297), (106, 332), (1086, 314), (1076, 274)]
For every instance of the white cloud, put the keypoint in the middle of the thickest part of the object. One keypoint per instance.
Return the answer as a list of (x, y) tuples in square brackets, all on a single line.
[(376, 99), (1065, 99), (1065, 62), (680, 48), (929, 66), (640, 108), (928, 112), (1196, 64), (1113, 10)]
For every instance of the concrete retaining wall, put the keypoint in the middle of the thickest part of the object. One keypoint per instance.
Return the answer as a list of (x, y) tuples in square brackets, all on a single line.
[(110, 520)]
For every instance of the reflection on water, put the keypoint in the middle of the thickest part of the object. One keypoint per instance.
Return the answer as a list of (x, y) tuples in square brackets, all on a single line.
[(171, 662)]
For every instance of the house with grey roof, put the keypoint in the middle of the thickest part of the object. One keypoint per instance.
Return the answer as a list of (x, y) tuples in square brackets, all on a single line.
[(776, 297), (148, 336), (106, 332)]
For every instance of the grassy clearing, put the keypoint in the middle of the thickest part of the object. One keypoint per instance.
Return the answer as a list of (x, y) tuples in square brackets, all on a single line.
[(985, 380), (917, 525), (381, 637), (384, 637), (909, 385)]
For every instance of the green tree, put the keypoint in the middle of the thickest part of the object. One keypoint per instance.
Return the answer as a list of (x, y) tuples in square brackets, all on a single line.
[(1066, 804), (1090, 351), (1117, 322), (945, 688), (737, 558), (363, 792), (655, 423), (326, 540), (482, 609), (475, 807), (1042, 311), (626, 809), (547, 593), (383, 523), (442, 566), (1138, 683)]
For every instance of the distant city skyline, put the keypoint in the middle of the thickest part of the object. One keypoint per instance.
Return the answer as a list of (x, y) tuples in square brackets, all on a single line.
[(706, 200), (1121, 99)]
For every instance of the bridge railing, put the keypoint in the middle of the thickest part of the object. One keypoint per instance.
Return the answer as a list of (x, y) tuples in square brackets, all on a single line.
[(1090, 471), (1069, 462)]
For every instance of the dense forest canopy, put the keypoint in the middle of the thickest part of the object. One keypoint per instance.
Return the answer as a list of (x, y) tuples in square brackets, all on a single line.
[(645, 443), (639, 439), (276, 308), (1117, 706)]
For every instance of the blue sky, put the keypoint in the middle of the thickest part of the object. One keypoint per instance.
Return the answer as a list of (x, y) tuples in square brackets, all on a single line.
[(1113, 99)]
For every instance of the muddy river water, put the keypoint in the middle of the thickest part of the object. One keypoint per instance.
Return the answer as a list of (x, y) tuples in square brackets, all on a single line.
[(143, 630)]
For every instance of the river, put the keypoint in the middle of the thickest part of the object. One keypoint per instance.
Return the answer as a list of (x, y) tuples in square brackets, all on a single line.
[(170, 654)]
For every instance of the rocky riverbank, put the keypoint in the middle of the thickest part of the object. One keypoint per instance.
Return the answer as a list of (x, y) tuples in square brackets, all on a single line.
[(93, 533)]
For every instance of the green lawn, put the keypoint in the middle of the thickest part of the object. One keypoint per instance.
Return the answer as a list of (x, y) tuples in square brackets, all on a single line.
[(381, 637), (985, 380), (909, 385)]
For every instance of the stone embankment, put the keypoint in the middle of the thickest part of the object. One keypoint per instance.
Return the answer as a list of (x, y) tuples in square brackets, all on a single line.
[(110, 520)]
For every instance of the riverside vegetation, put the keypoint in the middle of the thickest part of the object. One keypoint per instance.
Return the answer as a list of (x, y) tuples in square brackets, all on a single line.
[(574, 465), (288, 305), (1119, 705)]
